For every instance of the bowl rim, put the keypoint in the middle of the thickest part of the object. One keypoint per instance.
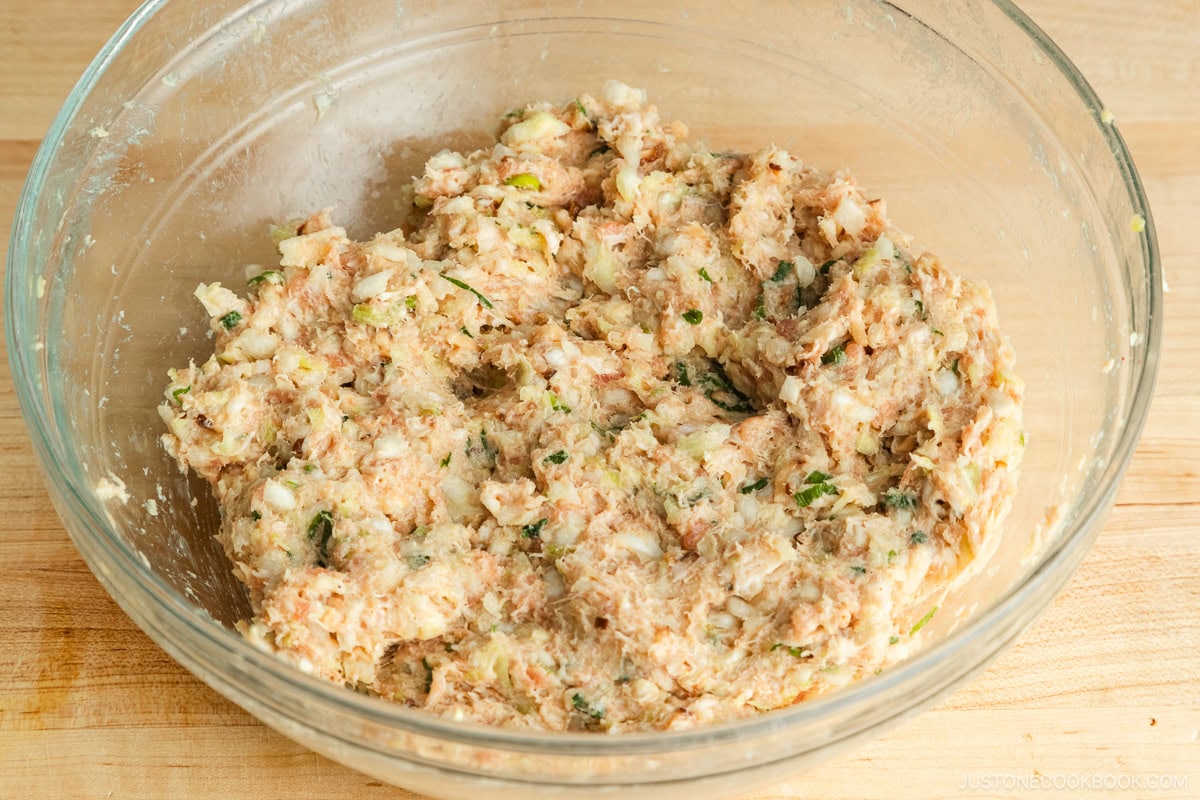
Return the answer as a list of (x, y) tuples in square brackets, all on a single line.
[(24, 360)]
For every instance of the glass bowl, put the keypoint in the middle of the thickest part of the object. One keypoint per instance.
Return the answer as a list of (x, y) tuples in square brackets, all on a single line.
[(200, 124)]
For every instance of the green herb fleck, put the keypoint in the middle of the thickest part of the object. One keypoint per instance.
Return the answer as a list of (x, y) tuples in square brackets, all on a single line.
[(902, 501), (921, 310), (918, 537), (428, 674), (467, 332), (255, 515), (178, 393), (581, 705), (704, 274), (320, 529), (270, 276), (310, 467), (416, 562), (936, 332), (858, 570), (750, 488), (693, 316), (446, 459), (954, 368), (579, 105), (230, 320), (524, 180), (534, 530), (410, 302), (806, 497), (681, 374), (894, 640), (718, 388), (796, 652), (782, 271), (760, 311), (292, 484), (824, 270), (921, 622), (481, 452), (891, 556), (464, 285), (559, 405), (835, 356), (557, 457)]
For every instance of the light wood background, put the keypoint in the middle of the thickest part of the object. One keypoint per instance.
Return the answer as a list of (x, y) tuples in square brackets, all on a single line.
[(1105, 685)]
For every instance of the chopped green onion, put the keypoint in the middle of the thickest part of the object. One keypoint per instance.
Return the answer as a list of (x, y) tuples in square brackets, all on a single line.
[(255, 515), (463, 285), (558, 405), (524, 180), (796, 652), (693, 316), (580, 704), (410, 302), (954, 368), (704, 274), (936, 331), (180, 393), (446, 460), (534, 530), (231, 320), (891, 556), (754, 487), (918, 537), (270, 276), (903, 501), (782, 271), (806, 497), (466, 332), (722, 393), (835, 356), (921, 310), (816, 476), (482, 453), (310, 467), (320, 529), (556, 457), (921, 622), (582, 110), (681, 374), (760, 311)]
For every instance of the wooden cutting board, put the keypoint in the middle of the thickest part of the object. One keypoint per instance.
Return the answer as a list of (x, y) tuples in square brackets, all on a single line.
[(1103, 690)]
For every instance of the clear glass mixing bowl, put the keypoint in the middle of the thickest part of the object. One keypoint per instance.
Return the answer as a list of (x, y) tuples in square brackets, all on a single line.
[(199, 124)]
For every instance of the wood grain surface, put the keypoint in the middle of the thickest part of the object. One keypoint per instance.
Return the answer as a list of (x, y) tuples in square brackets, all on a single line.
[(1106, 685)]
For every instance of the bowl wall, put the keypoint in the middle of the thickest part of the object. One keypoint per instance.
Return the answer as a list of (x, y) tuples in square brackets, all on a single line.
[(203, 124)]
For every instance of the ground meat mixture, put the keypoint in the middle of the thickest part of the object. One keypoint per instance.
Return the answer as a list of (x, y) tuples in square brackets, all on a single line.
[(613, 433)]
